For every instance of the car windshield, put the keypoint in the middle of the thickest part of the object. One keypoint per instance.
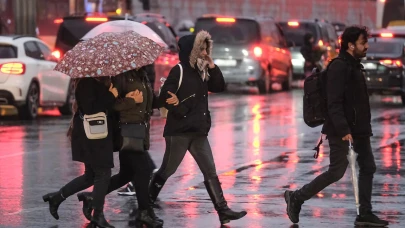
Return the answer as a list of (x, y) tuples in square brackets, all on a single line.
[(230, 31), (385, 48), (295, 32), (7, 51)]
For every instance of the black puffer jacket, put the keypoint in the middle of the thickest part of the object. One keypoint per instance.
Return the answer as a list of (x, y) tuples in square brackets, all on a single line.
[(348, 99), (191, 116)]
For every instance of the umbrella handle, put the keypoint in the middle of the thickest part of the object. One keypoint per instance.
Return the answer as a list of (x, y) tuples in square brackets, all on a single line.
[(350, 144)]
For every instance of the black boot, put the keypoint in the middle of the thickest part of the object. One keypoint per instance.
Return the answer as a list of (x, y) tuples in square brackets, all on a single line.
[(144, 218), (293, 206), (156, 184), (98, 220), (369, 219), (54, 199), (154, 216), (217, 197), (86, 198)]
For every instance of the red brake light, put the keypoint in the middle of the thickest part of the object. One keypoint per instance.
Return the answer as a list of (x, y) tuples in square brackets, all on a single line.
[(58, 21), (96, 19), (56, 54), (387, 35), (293, 23), (391, 63), (226, 20), (258, 52), (12, 68)]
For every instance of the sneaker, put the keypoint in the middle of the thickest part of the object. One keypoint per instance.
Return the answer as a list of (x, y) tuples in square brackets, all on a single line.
[(129, 190), (370, 220), (293, 206)]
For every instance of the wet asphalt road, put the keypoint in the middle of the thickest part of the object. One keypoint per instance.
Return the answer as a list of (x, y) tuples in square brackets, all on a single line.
[(261, 147)]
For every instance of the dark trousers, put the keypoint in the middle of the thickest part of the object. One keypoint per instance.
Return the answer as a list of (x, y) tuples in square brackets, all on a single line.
[(134, 166), (176, 148), (337, 169), (99, 177)]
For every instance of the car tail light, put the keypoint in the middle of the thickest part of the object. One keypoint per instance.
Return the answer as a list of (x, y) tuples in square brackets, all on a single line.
[(12, 68), (258, 52), (226, 20), (57, 54), (320, 43), (293, 23), (96, 19), (391, 63), (387, 35), (58, 21)]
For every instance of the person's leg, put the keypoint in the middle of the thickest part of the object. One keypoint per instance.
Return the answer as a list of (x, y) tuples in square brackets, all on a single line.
[(125, 174), (337, 168), (74, 186), (200, 149), (176, 148), (101, 182), (365, 159)]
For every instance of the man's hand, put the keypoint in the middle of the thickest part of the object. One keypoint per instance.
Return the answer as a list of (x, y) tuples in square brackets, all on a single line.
[(211, 63), (348, 138), (173, 100), (130, 94)]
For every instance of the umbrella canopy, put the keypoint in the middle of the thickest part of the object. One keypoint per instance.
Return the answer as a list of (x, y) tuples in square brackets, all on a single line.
[(109, 54), (124, 26)]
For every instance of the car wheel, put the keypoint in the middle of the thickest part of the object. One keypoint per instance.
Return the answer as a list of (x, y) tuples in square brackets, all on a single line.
[(264, 84), (67, 108), (29, 111), (287, 84)]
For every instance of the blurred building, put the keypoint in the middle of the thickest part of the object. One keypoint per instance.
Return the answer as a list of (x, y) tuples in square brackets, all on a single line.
[(346, 11)]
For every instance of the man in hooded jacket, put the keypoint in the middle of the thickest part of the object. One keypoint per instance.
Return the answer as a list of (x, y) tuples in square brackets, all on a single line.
[(189, 121)]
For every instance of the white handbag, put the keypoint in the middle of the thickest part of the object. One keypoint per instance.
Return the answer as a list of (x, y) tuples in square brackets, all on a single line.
[(95, 125), (163, 110)]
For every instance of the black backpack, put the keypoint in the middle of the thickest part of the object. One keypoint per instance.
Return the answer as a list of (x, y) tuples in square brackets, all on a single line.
[(315, 102)]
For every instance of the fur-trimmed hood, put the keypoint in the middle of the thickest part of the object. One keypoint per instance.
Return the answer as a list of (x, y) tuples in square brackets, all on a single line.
[(190, 47)]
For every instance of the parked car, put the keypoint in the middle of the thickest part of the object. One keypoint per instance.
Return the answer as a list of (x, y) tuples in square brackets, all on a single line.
[(249, 51), (27, 79), (384, 67), (324, 34)]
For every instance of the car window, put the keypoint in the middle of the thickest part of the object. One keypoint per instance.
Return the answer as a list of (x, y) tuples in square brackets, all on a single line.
[(163, 32), (295, 32), (325, 35), (46, 52), (230, 30), (32, 50), (7, 51)]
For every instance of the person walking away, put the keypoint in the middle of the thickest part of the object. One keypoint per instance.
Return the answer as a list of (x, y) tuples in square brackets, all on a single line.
[(188, 122), (348, 119), (311, 53), (93, 95)]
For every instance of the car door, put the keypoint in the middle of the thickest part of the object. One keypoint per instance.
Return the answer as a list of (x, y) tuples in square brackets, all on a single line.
[(57, 83), (37, 69)]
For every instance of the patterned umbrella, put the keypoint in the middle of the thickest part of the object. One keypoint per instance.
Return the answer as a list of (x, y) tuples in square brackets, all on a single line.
[(109, 54)]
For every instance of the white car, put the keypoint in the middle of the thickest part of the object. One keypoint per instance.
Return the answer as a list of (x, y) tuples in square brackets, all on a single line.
[(27, 78)]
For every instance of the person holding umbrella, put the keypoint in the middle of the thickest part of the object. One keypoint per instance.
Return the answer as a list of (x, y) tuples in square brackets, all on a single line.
[(348, 121), (92, 62)]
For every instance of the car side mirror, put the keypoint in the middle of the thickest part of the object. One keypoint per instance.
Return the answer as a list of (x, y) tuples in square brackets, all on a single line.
[(290, 44), (172, 48)]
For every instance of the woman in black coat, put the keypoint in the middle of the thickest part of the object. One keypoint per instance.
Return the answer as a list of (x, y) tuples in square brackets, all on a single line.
[(93, 95), (189, 121)]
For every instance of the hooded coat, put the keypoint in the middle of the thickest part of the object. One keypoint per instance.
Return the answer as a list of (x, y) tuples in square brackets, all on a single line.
[(191, 116)]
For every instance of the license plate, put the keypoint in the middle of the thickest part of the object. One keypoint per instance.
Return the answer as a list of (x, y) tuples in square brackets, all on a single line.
[(225, 62), (370, 66)]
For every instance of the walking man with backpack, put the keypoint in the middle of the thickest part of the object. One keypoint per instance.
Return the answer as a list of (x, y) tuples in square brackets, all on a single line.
[(348, 118)]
